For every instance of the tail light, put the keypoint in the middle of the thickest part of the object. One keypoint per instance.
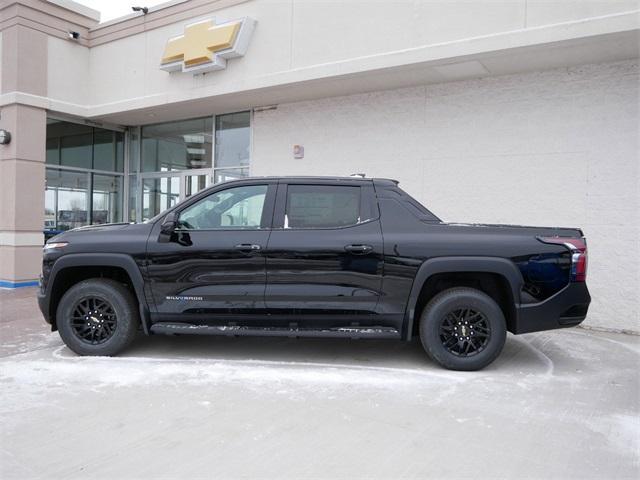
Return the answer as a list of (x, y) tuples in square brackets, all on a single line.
[(578, 248)]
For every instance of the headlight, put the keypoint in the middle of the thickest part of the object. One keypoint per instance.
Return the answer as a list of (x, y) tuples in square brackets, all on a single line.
[(55, 245)]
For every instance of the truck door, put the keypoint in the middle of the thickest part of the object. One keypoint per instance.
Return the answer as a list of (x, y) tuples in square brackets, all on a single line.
[(213, 265), (325, 253)]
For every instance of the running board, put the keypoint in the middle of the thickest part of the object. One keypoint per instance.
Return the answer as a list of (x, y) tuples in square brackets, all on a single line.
[(236, 331)]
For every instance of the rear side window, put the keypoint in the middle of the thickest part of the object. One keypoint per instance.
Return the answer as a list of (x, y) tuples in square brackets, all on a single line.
[(322, 206)]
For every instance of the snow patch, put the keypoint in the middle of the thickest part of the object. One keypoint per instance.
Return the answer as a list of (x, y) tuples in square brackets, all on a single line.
[(37, 377)]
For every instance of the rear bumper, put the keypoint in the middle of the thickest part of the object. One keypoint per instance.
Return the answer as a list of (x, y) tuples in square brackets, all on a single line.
[(566, 308)]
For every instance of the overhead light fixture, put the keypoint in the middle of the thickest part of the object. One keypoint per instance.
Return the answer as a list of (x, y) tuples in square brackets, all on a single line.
[(196, 151), (144, 10), (193, 138)]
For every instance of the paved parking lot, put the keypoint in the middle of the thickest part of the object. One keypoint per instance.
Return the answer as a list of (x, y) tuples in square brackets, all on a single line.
[(561, 404)]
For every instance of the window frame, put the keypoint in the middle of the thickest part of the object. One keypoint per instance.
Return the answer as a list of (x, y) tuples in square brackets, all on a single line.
[(368, 205), (267, 209)]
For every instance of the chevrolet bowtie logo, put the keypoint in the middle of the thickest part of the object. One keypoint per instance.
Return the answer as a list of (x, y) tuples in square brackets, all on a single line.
[(206, 46)]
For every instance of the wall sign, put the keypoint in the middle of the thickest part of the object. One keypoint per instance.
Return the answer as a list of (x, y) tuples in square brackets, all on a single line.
[(298, 151), (205, 46)]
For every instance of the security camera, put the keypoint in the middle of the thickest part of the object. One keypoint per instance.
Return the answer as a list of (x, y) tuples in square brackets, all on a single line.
[(144, 10), (74, 35)]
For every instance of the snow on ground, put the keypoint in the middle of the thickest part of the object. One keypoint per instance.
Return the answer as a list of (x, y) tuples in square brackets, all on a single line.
[(560, 404)]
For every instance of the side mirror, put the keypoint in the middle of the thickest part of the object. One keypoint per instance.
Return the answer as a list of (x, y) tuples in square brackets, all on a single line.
[(168, 226)]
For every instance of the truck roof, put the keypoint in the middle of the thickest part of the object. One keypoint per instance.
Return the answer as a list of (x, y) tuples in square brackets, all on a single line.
[(350, 178)]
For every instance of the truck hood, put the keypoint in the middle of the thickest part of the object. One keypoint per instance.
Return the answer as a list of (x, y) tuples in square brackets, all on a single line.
[(102, 226), (105, 230)]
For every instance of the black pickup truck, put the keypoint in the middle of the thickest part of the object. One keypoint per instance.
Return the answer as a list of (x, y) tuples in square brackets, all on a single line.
[(313, 257)]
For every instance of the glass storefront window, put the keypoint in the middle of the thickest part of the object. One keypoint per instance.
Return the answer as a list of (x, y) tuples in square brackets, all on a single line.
[(71, 201), (134, 188), (175, 146), (107, 199), (81, 146), (171, 161), (227, 174), (232, 140), (75, 150), (108, 150), (195, 183), (134, 150), (158, 194), (53, 151), (78, 192), (66, 200)]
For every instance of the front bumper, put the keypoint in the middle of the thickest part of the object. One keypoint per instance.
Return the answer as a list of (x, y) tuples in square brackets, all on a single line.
[(43, 304), (566, 308)]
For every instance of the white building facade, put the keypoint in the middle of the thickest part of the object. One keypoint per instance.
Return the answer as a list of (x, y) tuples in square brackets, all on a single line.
[(491, 111)]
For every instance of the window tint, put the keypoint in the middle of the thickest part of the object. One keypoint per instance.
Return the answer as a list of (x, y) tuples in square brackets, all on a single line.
[(322, 206), (239, 207)]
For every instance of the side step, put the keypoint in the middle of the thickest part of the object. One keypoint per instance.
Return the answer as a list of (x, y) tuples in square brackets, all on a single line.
[(235, 330)]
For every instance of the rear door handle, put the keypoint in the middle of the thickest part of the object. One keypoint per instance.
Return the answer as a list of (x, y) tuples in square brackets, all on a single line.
[(248, 247), (358, 249)]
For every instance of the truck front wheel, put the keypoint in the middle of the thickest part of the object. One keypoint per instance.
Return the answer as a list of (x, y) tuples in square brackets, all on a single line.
[(462, 329), (97, 317)]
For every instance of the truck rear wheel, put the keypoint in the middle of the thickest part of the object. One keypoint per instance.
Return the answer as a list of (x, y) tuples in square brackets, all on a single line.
[(463, 329), (97, 317)]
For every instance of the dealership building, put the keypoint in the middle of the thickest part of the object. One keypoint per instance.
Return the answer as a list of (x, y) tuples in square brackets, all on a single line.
[(514, 111)]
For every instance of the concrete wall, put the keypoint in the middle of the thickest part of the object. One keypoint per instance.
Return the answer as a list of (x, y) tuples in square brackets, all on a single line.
[(0, 58), (67, 71), (22, 181), (550, 148)]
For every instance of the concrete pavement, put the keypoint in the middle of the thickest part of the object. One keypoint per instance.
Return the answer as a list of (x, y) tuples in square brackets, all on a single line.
[(560, 404)]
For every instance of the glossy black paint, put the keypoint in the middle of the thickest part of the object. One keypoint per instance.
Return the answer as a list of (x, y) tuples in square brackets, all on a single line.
[(209, 265), (326, 273), (369, 274)]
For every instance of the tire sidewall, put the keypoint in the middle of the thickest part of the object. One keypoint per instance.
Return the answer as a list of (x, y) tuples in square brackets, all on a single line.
[(449, 301), (126, 322)]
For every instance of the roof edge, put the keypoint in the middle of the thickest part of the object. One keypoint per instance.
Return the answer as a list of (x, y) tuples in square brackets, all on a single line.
[(77, 8)]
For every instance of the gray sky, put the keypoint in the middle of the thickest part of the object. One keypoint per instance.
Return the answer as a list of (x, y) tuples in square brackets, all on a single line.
[(111, 9)]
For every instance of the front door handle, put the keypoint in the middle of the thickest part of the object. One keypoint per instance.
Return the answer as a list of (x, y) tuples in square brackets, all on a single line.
[(247, 247), (358, 249)]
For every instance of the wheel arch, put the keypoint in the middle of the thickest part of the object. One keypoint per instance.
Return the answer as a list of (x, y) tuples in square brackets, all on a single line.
[(464, 269), (89, 265)]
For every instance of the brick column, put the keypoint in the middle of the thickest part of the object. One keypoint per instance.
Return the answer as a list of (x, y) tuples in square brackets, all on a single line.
[(22, 162)]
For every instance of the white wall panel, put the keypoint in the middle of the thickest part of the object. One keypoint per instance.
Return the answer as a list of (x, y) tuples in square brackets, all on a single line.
[(547, 148)]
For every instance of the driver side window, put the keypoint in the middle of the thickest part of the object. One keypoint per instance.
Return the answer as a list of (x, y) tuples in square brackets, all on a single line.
[(230, 209)]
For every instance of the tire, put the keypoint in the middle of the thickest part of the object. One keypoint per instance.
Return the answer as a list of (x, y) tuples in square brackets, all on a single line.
[(97, 317), (444, 333)]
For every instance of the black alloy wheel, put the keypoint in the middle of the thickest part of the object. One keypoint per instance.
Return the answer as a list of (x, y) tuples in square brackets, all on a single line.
[(98, 316), (465, 332), (93, 320), (462, 328)]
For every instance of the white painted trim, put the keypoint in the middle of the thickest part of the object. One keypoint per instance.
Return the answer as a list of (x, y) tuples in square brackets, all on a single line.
[(435, 54), (38, 101), (21, 239)]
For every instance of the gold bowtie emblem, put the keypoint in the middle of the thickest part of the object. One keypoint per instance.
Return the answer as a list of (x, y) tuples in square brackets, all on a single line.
[(200, 42)]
